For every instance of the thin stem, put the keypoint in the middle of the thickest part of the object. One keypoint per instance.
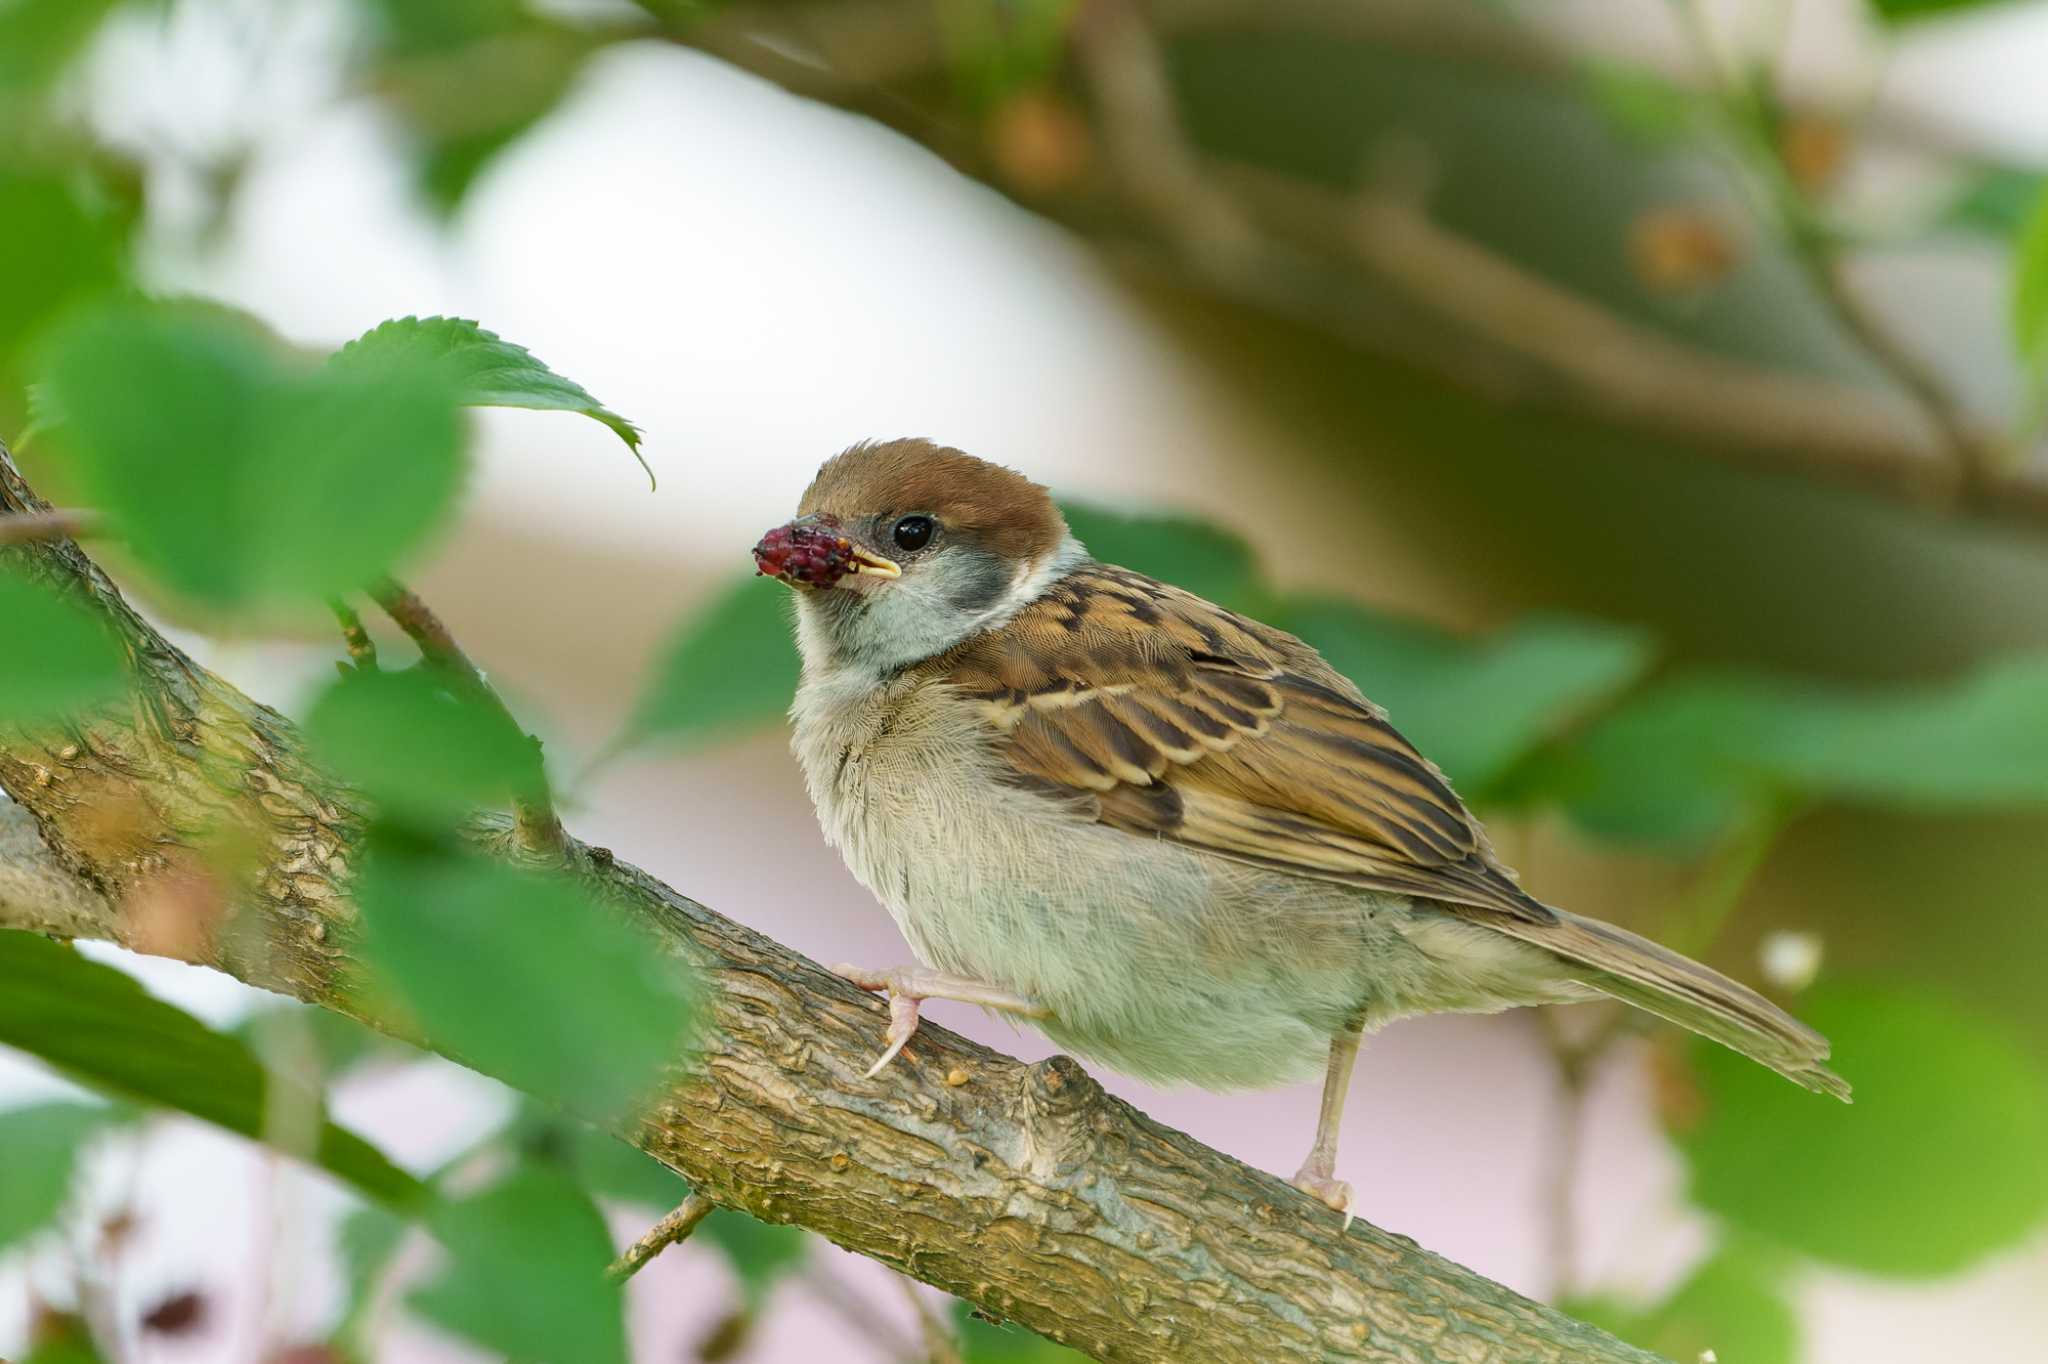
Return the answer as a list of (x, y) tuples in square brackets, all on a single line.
[(57, 523), (1749, 104), (670, 1230), (362, 650), (538, 829), (940, 1346), (859, 1314), (1574, 1060)]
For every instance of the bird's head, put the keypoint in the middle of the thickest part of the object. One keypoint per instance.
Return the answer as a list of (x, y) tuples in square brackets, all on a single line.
[(902, 550)]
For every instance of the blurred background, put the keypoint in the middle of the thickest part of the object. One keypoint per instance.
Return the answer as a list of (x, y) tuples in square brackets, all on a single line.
[(1642, 400)]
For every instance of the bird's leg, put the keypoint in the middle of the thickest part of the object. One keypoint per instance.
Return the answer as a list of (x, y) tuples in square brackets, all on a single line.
[(908, 986), (1318, 1174)]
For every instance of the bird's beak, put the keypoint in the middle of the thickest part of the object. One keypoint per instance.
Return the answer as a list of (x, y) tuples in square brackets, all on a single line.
[(810, 552), (872, 565)]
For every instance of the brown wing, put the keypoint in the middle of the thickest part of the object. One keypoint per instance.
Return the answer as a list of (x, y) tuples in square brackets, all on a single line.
[(1182, 720)]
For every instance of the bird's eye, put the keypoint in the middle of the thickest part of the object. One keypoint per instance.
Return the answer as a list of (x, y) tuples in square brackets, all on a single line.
[(914, 532)]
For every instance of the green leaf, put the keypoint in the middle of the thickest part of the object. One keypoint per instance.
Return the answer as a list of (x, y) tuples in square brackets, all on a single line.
[(1936, 1165), (1732, 1304), (1681, 760), (2030, 289), (42, 1145), (1908, 11), (1997, 203), (56, 658), (526, 1273), (98, 1026), (600, 1162), (423, 754), (58, 250), (236, 478), (1640, 104), (729, 668), (762, 1254), (338, 1043), (420, 27), (1204, 559), (39, 38), (368, 1240), (1477, 706), (484, 369), (62, 1338), (525, 975), (982, 1342)]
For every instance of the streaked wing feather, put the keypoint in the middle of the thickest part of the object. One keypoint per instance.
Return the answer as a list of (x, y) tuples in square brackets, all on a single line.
[(1186, 721)]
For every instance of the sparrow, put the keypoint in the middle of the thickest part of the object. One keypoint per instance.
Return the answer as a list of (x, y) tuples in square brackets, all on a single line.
[(1173, 838)]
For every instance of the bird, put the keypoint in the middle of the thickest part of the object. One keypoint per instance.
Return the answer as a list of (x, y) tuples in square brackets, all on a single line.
[(1172, 838)]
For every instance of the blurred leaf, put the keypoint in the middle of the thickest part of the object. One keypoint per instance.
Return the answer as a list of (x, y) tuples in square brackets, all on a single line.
[(1202, 558), (340, 1044), (60, 1338), (996, 50), (1681, 760), (484, 370), (2030, 289), (762, 1254), (56, 658), (730, 667), (1473, 706), (1730, 1305), (98, 1026), (368, 1241), (233, 476), (526, 1273), (416, 27), (1905, 11), (524, 975), (983, 1342), (599, 1161), (423, 755), (1937, 1164), (1639, 103), (42, 1145), (1997, 203), (58, 251), (39, 38)]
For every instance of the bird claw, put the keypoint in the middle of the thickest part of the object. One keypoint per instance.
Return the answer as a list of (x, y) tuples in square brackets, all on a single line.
[(902, 1027), (1334, 1194), (903, 1002)]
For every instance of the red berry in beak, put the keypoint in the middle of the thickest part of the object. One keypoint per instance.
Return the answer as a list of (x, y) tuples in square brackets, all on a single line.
[(808, 555)]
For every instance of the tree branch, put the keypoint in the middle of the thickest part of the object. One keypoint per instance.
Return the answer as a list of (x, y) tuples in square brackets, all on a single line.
[(1026, 1190), (1466, 315)]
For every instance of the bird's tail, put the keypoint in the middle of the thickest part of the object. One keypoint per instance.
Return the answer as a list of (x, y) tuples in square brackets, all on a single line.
[(1635, 970)]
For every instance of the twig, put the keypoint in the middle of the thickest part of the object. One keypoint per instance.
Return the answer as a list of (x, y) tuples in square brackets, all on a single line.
[(535, 824), (1466, 315), (57, 523), (362, 650), (670, 1230), (1750, 106), (858, 1313), (940, 1347)]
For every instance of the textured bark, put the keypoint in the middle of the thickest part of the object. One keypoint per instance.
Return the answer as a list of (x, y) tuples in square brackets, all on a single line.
[(1025, 1189)]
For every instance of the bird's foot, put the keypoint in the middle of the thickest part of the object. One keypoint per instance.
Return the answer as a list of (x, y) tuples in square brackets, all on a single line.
[(909, 986), (1333, 1193)]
